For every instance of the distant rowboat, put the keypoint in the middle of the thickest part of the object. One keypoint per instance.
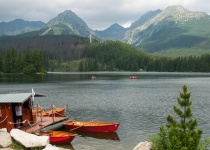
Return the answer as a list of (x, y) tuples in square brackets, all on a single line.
[(91, 126), (93, 77), (133, 77), (58, 137)]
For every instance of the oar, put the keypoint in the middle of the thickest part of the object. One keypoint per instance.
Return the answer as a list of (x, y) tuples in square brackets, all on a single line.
[(75, 128), (94, 119)]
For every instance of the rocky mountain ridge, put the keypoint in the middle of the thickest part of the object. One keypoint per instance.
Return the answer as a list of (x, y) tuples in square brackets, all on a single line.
[(176, 14), (174, 27), (114, 32), (67, 23)]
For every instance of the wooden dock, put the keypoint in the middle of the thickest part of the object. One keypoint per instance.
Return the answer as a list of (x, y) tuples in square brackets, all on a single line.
[(43, 122)]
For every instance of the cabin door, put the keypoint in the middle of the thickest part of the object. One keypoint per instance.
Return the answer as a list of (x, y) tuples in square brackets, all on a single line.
[(13, 113)]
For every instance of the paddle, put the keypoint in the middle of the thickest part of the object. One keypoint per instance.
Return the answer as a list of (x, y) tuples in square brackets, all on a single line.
[(75, 128), (94, 119), (82, 125)]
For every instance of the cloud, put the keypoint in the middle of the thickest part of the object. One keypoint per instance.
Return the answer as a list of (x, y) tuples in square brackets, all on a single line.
[(98, 14)]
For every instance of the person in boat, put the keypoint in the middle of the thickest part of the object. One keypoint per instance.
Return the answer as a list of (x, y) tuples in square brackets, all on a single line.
[(93, 77), (18, 113)]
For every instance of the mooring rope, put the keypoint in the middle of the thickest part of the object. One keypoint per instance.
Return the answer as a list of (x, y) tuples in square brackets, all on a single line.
[(4, 119), (36, 122), (19, 122), (31, 125), (68, 114)]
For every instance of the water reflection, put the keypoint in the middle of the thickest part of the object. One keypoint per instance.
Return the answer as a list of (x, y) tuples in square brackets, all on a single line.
[(104, 135), (65, 146), (22, 78), (76, 76)]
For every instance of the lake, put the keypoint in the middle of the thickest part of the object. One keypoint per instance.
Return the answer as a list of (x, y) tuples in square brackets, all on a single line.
[(139, 105)]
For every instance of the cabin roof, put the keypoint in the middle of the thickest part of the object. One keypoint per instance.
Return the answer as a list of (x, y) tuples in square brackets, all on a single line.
[(17, 98), (14, 98)]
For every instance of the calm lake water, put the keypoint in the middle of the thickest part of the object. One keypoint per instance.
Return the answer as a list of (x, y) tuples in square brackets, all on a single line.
[(140, 105)]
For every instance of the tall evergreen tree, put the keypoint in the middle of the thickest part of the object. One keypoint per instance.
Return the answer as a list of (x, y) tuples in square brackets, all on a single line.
[(179, 135), (188, 136)]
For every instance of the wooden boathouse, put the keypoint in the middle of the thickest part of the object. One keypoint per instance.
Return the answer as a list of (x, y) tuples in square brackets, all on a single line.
[(30, 121)]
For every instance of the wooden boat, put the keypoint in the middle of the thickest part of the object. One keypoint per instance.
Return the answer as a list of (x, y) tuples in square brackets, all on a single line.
[(57, 111), (58, 137), (93, 77), (91, 126), (133, 77), (36, 111)]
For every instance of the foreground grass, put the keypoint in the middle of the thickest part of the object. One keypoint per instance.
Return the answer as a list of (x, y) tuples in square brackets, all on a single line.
[(16, 146)]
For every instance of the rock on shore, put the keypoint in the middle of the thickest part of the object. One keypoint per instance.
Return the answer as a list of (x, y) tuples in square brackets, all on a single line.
[(26, 139), (5, 138), (29, 140), (143, 146)]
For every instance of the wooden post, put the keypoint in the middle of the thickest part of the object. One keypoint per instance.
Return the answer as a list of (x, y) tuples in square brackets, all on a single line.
[(53, 113), (37, 108), (41, 115)]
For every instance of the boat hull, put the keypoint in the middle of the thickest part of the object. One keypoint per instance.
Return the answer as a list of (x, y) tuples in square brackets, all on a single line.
[(92, 126), (61, 140), (58, 137)]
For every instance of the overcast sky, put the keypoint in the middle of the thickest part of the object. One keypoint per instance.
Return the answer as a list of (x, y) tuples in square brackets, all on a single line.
[(98, 14)]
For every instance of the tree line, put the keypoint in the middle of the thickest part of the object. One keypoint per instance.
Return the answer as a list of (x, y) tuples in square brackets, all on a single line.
[(117, 56), (98, 56), (31, 61)]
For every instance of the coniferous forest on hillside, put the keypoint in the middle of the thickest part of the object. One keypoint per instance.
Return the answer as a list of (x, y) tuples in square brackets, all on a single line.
[(79, 55)]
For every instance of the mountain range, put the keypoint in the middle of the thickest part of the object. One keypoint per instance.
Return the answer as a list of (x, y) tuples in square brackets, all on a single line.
[(19, 26), (155, 31), (174, 27)]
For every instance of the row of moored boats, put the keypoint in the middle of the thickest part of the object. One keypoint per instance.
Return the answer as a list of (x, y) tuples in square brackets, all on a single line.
[(72, 126)]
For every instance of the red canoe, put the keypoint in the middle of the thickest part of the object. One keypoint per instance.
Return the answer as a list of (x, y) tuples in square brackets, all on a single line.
[(133, 77), (58, 137), (91, 126)]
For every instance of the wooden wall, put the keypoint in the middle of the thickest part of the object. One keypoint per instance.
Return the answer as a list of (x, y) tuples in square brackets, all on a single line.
[(8, 115), (6, 121)]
